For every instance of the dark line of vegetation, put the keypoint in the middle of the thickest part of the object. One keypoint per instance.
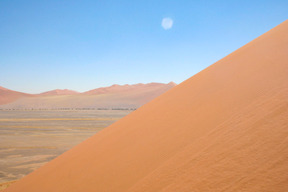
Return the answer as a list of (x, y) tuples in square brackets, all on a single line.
[(64, 109)]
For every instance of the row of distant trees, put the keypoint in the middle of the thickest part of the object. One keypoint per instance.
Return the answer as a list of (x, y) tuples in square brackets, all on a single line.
[(65, 109)]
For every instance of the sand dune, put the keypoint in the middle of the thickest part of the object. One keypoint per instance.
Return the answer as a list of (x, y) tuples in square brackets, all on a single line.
[(8, 96), (224, 129), (124, 88), (116, 96), (3, 88), (60, 92)]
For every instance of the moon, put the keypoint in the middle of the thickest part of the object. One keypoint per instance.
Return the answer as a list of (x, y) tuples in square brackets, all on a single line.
[(167, 23)]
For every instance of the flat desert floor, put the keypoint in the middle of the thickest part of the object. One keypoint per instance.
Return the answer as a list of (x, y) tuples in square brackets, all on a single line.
[(29, 139)]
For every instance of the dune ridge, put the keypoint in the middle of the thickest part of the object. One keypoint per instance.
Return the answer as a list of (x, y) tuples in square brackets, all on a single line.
[(224, 129), (59, 92), (113, 97), (122, 88), (8, 96)]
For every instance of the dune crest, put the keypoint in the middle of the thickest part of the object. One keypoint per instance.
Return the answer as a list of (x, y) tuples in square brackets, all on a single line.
[(123, 88), (3, 88), (8, 96), (115, 96), (60, 92), (224, 129)]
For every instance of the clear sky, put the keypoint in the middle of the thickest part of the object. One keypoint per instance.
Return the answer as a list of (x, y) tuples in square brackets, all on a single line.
[(85, 44)]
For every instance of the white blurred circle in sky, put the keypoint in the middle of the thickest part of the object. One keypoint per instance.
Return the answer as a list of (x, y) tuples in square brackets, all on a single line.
[(167, 23)]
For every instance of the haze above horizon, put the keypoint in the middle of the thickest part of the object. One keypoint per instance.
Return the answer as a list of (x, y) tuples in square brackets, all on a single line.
[(80, 45)]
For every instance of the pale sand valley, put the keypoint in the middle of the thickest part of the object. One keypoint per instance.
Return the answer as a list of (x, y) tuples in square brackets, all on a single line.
[(29, 139)]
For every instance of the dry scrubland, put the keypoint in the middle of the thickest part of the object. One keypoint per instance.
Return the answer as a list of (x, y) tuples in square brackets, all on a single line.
[(29, 139)]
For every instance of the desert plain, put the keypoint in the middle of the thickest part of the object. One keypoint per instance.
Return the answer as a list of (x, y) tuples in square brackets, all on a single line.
[(30, 138)]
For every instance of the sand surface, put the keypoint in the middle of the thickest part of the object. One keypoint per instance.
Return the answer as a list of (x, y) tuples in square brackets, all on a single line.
[(29, 139), (223, 130), (6, 185), (9, 96), (113, 97), (59, 92)]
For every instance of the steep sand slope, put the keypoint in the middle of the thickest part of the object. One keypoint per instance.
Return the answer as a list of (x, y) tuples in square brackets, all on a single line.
[(117, 96), (224, 129)]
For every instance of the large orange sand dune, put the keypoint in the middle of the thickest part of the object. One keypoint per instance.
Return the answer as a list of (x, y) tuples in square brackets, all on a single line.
[(223, 130)]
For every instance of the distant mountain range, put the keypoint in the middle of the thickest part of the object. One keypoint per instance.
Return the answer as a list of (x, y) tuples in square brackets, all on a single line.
[(59, 92), (113, 97)]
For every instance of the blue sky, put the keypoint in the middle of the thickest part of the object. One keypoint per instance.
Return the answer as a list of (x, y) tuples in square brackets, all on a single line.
[(86, 44)]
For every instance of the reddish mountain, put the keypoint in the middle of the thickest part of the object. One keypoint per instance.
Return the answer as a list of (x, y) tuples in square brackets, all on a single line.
[(8, 96), (59, 92), (115, 96), (124, 88), (224, 129)]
